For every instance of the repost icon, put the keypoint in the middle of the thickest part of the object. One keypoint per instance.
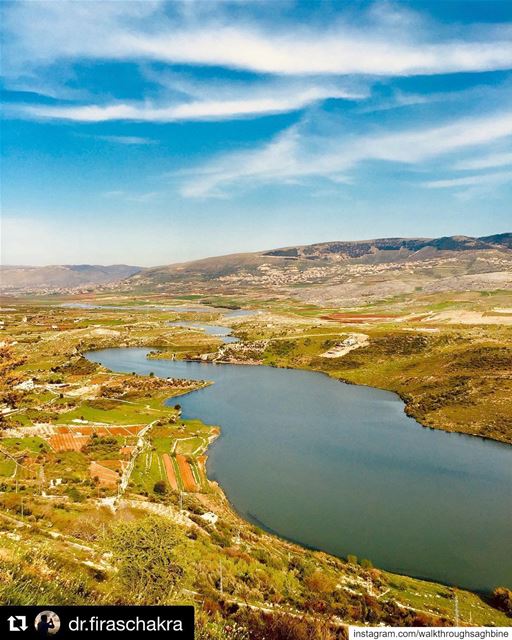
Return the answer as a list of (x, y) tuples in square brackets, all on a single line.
[(17, 623)]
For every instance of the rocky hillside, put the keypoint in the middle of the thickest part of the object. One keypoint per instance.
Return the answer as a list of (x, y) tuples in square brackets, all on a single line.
[(345, 272), (403, 248)]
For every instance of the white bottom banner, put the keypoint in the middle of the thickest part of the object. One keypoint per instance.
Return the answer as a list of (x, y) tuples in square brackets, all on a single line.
[(427, 633)]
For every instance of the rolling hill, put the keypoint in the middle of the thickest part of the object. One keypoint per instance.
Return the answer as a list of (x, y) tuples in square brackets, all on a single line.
[(27, 278), (348, 272)]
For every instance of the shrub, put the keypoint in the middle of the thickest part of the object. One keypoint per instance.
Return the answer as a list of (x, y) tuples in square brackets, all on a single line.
[(160, 487), (145, 553), (74, 494), (502, 600)]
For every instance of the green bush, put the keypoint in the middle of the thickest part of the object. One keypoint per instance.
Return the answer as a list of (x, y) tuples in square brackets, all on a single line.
[(149, 570), (160, 487)]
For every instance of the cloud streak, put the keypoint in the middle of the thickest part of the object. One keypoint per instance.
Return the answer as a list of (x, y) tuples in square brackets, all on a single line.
[(129, 140), (238, 103), (485, 162), (299, 154), (385, 41)]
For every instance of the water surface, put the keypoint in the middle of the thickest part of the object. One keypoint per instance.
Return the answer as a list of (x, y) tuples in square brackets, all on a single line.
[(341, 468), (216, 330)]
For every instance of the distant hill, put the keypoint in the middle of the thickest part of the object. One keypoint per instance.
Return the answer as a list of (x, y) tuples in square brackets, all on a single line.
[(408, 246), (344, 271), (54, 277)]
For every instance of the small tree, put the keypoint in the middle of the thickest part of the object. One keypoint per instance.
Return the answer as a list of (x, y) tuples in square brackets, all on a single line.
[(74, 494), (145, 554), (160, 487), (502, 599)]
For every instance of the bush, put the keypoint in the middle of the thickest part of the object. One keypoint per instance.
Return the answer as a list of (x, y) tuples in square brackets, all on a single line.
[(502, 600), (74, 494), (160, 487), (145, 553)]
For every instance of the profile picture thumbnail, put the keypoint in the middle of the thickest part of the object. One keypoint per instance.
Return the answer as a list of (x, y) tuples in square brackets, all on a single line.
[(47, 623)]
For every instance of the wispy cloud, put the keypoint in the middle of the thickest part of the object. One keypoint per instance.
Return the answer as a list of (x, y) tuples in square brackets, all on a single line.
[(120, 194), (470, 181), (484, 185), (485, 162), (230, 102), (126, 140), (377, 43), (299, 153)]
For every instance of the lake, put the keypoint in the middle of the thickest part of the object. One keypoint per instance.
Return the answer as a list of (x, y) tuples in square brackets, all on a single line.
[(341, 468), (216, 330)]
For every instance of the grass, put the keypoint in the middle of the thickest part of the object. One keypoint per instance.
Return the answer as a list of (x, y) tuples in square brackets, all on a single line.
[(148, 470), (32, 445), (140, 411), (190, 445), (7, 467)]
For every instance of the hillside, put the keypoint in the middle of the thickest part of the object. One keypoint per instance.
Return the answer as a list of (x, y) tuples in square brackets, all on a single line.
[(345, 272), (27, 278)]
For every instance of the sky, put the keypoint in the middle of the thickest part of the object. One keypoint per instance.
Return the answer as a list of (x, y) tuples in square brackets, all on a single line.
[(156, 132)]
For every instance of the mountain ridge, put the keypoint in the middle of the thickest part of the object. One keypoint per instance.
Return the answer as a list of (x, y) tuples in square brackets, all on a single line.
[(343, 272), (61, 276), (418, 259)]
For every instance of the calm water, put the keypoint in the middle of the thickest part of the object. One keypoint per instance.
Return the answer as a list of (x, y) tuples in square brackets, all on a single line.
[(211, 329), (343, 469)]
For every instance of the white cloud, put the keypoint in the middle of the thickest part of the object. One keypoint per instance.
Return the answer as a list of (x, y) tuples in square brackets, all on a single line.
[(485, 162), (230, 102), (384, 42), (472, 187), (126, 140), (296, 153), (120, 194), (470, 181)]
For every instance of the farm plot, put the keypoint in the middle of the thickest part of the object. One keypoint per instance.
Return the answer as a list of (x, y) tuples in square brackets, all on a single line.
[(187, 477), (100, 430), (190, 446), (107, 473), (170, 473), (148, 470), (7, 466), (68, 442), (201, 469)]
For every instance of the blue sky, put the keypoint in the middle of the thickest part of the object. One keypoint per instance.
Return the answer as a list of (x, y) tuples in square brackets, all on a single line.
[(157, 132)]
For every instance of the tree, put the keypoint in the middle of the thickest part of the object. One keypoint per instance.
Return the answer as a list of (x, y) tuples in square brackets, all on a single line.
[(502, 599), (160, 487), (145, 553), (75, 495)]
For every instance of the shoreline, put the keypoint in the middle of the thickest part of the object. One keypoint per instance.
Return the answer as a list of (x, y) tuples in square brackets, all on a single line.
[(406, 401), (269, 531)]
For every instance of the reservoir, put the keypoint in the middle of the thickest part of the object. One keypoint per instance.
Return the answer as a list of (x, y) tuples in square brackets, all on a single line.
[(341, 468)]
